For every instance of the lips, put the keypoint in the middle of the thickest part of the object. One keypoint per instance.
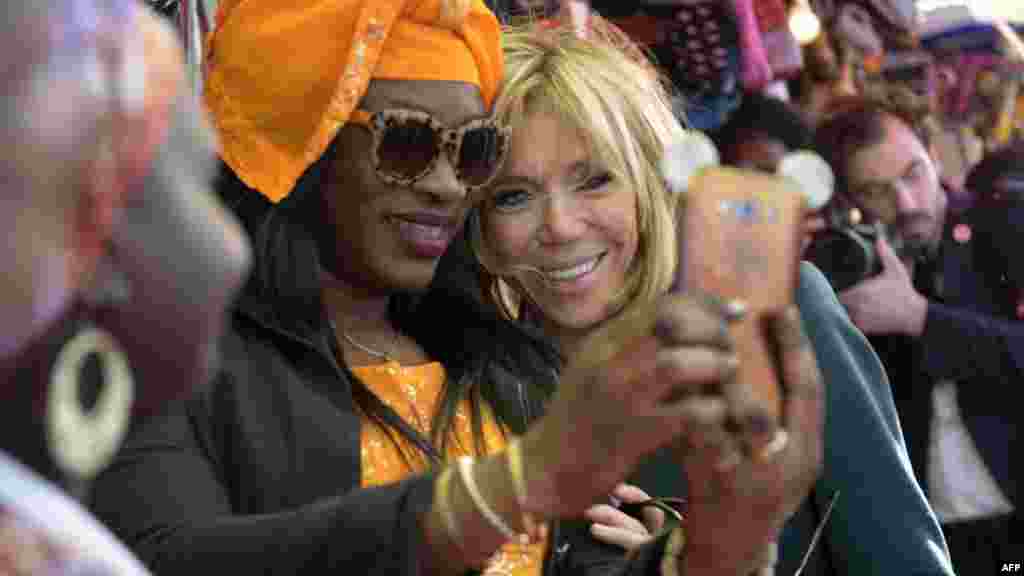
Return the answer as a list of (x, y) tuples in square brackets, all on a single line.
[(572, 280), (574, 271), (427, 234)]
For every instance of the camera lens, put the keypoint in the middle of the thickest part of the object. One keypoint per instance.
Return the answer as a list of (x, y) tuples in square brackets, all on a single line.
[(844, 260)]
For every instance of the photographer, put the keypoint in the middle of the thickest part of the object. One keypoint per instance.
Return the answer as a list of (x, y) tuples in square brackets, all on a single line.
[(951, 359)]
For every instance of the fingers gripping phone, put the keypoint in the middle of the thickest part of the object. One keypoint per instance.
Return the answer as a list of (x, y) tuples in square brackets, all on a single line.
[(739, 236)]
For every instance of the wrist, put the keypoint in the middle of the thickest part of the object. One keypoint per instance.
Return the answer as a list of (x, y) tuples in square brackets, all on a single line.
[(539, 493), (465, 513)]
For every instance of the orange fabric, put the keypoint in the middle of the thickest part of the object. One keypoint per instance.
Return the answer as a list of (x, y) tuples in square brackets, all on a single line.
[(413, 392), (283, 77)]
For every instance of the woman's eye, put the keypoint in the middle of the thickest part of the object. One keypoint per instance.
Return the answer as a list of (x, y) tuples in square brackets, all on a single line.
[(510, 200), (597, 181)]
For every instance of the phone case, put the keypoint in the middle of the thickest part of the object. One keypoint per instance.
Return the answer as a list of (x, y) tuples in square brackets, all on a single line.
[(739, 236)]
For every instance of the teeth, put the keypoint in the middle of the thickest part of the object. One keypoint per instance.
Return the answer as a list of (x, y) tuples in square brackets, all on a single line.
[(573, 273), (424, 231), (432, 232)]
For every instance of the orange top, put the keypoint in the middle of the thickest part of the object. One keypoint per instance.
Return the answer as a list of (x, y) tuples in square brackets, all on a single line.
[(413, 392)]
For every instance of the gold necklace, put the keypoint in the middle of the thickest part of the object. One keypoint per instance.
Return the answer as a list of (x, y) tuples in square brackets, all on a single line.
[(372, 351)]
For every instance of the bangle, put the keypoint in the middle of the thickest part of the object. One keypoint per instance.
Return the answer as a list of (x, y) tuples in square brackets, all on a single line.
[(674, 552), (465, 467), (514, 460), (443, 502)]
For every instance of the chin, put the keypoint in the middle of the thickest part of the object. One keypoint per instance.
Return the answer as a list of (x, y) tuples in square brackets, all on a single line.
[(580, 318), (412, 277)]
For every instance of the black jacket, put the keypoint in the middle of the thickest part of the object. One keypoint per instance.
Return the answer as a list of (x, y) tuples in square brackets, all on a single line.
[(967, 339)]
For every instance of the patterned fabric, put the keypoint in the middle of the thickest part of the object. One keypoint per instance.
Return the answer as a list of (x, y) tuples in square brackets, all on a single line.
[(283, 77), (698, 46), (413, 392)]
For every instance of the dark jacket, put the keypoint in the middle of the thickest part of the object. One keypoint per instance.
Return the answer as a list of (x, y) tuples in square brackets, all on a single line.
[(967, 338)]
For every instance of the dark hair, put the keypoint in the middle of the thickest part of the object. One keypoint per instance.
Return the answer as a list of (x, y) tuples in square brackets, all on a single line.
[(488, 360), (166, 8), (761, 115), (853, 124), (996, 233), (995, 165)]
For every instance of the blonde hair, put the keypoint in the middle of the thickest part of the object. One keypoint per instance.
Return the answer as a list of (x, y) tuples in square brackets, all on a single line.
[(606, 88)]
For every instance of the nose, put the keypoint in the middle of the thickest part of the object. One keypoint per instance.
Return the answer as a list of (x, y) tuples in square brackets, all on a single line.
[(562, 220), (441, 183)]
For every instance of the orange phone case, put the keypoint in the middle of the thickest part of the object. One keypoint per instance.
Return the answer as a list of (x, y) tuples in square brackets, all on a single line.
[(739, 238)]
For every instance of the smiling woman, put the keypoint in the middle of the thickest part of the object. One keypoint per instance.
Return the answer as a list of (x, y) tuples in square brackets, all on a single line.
[(570, 221), (577, 237)]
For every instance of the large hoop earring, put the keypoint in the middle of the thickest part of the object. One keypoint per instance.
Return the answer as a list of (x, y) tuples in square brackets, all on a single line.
[(82, 441)]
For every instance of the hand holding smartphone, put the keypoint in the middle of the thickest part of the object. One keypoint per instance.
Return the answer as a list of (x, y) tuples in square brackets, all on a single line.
[(739, 239), (739, 234)]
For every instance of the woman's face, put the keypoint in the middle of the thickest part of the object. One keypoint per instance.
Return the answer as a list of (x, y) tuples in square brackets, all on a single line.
[(390, 237), (561, 224)]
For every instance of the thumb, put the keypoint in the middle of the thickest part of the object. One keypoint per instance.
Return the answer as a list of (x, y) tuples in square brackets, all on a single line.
[(888, 256)]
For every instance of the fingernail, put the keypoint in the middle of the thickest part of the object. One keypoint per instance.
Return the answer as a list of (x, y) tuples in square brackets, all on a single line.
[(735, 310), (773, 448), (662, 330), (728, 461), (730, 365), (759, 425)]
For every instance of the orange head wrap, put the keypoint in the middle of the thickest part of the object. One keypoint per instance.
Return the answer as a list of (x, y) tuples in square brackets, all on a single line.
[(283, 77)]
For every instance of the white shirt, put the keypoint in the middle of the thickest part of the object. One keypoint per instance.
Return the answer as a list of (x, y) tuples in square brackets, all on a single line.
[(960, 486)]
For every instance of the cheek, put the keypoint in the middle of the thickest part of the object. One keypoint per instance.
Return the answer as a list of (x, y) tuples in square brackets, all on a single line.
[(619, 222), (509, 238), (929, 189), (351, 184)]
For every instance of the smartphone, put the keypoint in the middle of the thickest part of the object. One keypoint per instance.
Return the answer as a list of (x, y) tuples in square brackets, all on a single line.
[(739, 235)]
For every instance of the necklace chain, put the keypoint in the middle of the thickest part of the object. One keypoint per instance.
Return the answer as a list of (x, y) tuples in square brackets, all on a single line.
[(368, 350)]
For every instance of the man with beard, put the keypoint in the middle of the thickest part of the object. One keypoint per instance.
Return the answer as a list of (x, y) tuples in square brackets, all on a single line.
[(951, 358)]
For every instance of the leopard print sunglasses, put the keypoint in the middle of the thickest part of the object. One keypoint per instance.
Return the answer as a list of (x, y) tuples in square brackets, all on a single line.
[(408, 143)]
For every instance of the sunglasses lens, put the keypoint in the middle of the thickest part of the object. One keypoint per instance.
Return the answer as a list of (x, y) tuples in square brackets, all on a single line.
[(481, 154), (407, 149)]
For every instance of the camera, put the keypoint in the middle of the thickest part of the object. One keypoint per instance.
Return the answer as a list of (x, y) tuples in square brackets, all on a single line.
[(845, 250)]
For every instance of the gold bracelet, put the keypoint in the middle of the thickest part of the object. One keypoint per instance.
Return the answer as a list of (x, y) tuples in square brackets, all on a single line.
[(465, 467), (442, 499), (514, 459), (674, 551)]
